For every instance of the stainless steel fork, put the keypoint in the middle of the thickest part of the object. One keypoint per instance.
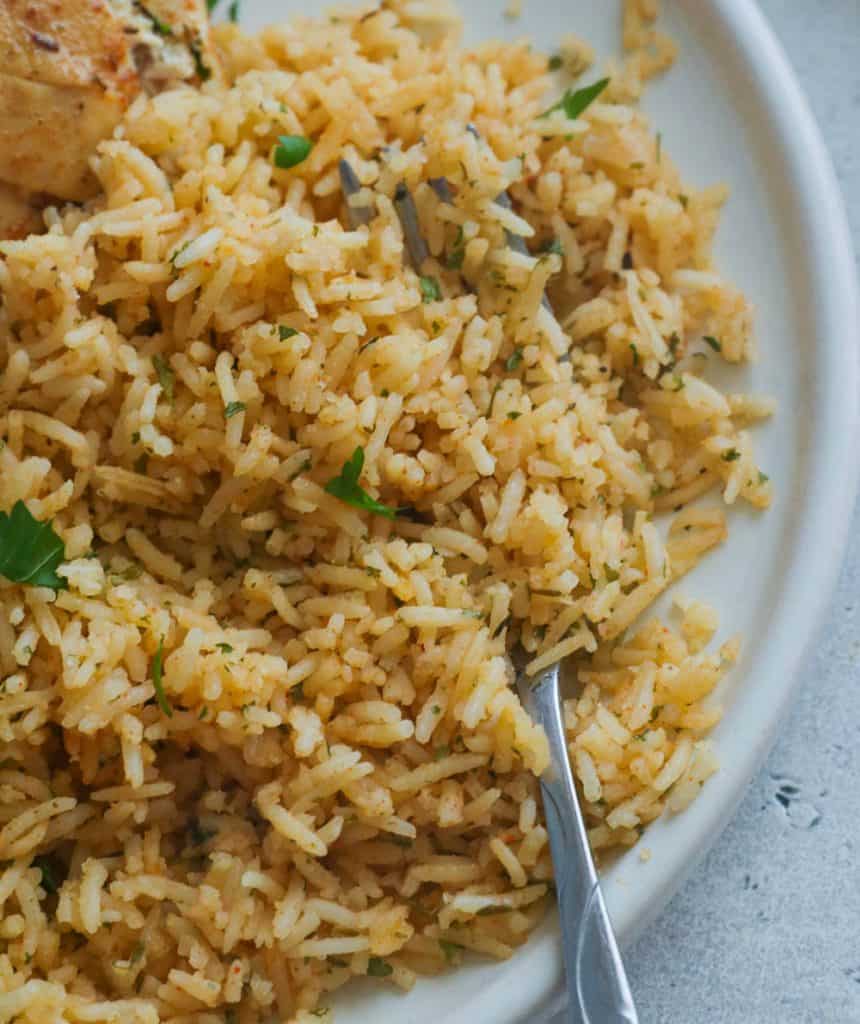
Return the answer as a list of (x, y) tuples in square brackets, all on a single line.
[(598, 990)]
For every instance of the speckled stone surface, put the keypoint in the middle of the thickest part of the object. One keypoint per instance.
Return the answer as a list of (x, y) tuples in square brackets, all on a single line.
[(767, 930)]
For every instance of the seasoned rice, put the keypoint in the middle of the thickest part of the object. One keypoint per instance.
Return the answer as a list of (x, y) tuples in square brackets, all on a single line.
[(264, 741)]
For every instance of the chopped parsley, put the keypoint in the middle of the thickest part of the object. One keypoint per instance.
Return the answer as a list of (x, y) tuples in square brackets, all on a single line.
[(30, 551), (458, 253), (715, 343), (577, 101), (160, 27), (225, 648), (204, 72), (233, 11), (430, 290), (166, 376), (450, 949), (157, 672), (53, 874), (555, 62), (346, 487), (732, 455), (379, 968), (554, 247), (514, 415), (291, 150), (763, 478), (284, 333), (635, 352), (232, 409), (514, 359)]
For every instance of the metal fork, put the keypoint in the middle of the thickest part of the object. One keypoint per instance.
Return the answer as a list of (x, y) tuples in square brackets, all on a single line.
[(598, 991), (597, 986)]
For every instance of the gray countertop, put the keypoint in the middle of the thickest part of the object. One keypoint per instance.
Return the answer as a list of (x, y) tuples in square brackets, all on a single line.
[(767, 929)]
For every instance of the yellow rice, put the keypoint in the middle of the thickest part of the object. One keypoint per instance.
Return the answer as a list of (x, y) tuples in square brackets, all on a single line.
[(347, 783)]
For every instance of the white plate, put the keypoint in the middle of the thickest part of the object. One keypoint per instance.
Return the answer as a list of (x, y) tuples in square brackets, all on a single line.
[(731, 111)]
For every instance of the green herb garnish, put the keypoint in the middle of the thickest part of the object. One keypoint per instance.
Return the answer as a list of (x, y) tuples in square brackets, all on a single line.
[(232, 409), (555, 62), (204, 72), (732, 455), (53, 873), (763, 478), (514, 415), (233, 11), (346, 487), (635, 352), (379, 968), (458, 253), (554, 247), (577, 101), (160, 27), (286, 332), (30, 551), (450, 949), (430, 290), (157, 671), (514, 359), (291, 150), (225, 648), (715, 343), (166, 376)]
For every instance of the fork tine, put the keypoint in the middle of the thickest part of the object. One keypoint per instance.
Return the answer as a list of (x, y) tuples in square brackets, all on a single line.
[(515, 242), (404, 204), (349, 184), (443, 190)]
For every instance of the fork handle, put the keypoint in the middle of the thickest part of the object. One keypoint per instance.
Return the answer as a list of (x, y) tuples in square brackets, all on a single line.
[(598, 990)]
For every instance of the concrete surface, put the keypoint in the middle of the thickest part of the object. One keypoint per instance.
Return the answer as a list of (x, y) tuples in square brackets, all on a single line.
[(767, 930)]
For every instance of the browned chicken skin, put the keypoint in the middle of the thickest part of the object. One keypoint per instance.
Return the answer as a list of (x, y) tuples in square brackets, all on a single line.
[(69, 70)]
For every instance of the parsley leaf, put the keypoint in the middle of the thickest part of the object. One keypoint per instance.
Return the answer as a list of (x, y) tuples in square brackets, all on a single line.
[(379, 968), (347, 488), (555, 62), (732, 455), (53, 873), (577, 101), (430, 290), (233, 409), (211, 5), (291, 150), (715, 343), (225, 648), (450, 949), (166, 376), (233, 11), (284, 333), (30, 551), (160, 27), (204, 72), (157, 668), (514, 360)]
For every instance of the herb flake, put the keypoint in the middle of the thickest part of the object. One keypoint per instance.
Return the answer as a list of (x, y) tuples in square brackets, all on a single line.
[(166, 377), (715, 343), (430, 290), (379, 968), (232, 409), (157, 680)]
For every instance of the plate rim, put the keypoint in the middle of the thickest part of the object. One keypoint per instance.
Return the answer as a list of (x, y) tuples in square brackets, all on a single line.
[(833, 475)]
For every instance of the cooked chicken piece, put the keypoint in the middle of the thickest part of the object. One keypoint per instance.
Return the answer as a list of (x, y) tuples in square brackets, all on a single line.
[(69, 70)]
